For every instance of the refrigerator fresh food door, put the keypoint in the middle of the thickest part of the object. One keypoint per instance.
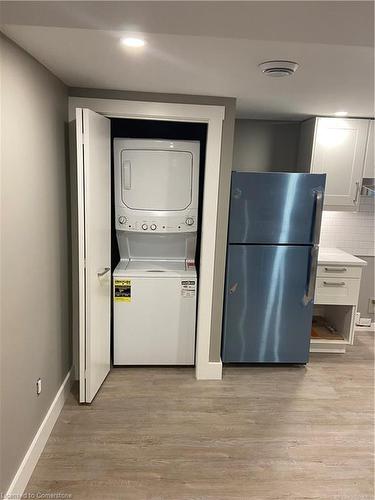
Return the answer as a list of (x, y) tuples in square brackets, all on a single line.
[(276, 208), (268, 305)]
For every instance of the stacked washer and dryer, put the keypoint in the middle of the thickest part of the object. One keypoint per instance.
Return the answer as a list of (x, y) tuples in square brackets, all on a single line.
[(155, 282)]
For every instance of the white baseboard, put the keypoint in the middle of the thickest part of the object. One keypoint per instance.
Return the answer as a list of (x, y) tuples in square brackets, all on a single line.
[(210, 371), (358, 328), (31, 458), (326, 349)]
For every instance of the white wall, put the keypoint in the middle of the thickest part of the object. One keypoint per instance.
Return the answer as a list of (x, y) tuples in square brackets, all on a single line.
[(350, 231), (35, 274), (265, 146)]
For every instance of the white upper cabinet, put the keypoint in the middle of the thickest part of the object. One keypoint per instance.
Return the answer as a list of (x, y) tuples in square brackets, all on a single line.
[(369, 170), (336, 147)]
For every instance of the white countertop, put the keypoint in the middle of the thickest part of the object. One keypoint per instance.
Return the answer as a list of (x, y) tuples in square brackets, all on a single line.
[(335, 256)]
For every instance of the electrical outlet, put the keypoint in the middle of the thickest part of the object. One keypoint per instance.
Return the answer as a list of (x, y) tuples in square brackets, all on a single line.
[(39, 386), (371, 305)]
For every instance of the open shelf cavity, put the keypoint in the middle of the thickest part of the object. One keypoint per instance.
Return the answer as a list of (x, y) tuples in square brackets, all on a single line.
[(331, 324)]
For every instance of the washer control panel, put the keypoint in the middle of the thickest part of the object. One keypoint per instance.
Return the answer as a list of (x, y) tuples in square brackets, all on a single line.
[(175, 224)]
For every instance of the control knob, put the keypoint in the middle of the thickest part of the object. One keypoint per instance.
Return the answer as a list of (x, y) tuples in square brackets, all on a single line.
[(189, 221), (144, 227), (153, 227), (122, 219)]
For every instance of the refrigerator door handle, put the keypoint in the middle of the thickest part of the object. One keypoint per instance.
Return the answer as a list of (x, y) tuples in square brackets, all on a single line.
[(318, 216), (309, 295)]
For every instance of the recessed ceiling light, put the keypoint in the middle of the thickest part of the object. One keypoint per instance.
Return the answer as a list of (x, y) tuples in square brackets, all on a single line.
[(341, 113), (132, 42)]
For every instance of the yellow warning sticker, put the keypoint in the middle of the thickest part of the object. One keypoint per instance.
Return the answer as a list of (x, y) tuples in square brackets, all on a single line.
[(123, 291)]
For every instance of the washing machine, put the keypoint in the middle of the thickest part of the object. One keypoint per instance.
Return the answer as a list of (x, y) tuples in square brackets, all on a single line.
[(154, 312)]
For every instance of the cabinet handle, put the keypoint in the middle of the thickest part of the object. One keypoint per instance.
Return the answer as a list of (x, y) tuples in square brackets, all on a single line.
[(356, 193), (335, 269), (334, 283)]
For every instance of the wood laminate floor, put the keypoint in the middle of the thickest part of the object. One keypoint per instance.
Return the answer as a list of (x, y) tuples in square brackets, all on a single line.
[(261, 433)]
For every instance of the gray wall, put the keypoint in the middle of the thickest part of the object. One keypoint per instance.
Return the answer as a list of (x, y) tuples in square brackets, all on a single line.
[(35, 288), (226, 167), (367, 287), (264, 146)]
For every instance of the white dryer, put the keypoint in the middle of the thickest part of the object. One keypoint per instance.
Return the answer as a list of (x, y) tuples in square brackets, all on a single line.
[(154, 312), (156, 185)]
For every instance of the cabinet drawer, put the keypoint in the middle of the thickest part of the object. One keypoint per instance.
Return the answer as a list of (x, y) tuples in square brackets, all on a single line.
[(337, 291), (336, 271)]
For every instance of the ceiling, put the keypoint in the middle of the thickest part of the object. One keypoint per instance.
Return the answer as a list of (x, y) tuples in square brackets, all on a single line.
[(209, 48)]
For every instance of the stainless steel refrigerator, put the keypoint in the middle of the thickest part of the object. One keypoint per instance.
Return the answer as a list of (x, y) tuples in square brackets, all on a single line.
[(274, 231)]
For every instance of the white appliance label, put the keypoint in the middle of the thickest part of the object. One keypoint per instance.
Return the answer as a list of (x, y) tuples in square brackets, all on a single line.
[(188, 288)]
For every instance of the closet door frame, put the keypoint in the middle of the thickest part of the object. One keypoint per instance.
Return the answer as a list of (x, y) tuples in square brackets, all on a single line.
[(195, 113)]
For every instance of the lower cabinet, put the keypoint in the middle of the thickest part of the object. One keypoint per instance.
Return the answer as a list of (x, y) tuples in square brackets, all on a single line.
[(335, 306), (333, 328), (340, 291)]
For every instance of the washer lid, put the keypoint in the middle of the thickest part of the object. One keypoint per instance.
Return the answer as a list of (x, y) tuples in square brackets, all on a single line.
[(154, 268)]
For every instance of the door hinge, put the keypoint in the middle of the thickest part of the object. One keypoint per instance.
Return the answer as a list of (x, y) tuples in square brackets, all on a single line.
[(83, 138)]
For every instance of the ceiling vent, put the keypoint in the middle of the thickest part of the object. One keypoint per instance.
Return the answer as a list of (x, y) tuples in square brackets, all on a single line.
[(278, 68)]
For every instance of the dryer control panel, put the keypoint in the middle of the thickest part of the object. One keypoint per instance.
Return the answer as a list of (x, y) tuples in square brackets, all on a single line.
[(157, 224)]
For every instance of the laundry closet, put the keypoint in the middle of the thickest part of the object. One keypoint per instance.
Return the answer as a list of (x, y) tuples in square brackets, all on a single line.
[(156, 222), (141, 189)]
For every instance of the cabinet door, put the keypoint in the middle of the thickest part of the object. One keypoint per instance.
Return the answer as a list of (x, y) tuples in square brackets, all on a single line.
[(369, 170), (339, 152)]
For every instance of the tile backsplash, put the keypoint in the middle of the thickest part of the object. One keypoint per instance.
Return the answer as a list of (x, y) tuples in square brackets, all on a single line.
[(350, 231)]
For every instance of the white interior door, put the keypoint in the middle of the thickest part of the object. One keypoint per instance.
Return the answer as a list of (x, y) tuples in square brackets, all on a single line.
[(94, 234)]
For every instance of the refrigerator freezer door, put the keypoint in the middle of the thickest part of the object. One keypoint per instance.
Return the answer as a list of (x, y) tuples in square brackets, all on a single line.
[(266, 316), (275, 208)]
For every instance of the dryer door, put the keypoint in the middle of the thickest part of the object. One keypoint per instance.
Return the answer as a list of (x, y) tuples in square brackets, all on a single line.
[(156, 179)]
